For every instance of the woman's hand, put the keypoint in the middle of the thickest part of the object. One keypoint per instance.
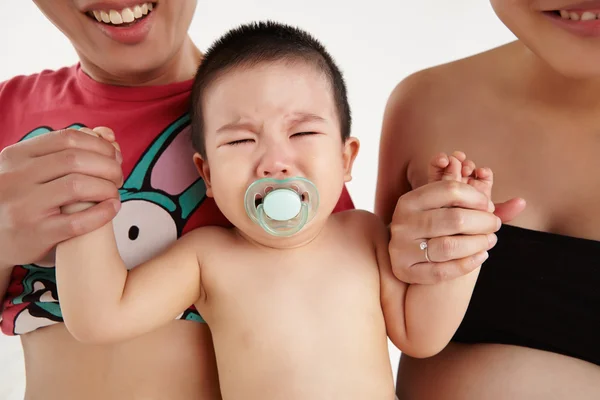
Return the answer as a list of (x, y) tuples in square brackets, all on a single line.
[(452, 218)]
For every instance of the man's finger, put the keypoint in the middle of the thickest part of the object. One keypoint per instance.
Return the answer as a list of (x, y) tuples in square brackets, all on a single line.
[(76, 188), (66, 226), (56, 165), (64, 139)]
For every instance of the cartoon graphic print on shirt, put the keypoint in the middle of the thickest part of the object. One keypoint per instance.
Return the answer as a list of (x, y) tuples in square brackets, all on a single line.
[(158, 199)]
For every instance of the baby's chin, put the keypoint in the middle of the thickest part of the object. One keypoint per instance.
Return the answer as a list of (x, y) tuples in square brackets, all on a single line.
[(254, 234)]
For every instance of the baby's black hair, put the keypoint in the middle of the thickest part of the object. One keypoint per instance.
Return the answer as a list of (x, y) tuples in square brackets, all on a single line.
[(259, 42)]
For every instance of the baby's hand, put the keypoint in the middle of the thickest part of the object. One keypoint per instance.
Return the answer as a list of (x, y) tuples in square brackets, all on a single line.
[(457, 167), (107, 135), (104, 133)]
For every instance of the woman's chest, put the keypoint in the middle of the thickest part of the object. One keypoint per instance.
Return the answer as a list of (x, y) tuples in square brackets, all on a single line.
[(550, 163)]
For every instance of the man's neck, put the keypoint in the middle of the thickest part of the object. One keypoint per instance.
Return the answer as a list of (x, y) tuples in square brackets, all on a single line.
[(181, 67)]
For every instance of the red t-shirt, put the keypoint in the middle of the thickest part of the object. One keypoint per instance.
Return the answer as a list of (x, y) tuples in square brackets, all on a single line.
[(162, 197)]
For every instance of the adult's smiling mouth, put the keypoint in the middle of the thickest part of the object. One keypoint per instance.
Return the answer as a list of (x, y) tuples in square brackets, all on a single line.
[(124, 17)]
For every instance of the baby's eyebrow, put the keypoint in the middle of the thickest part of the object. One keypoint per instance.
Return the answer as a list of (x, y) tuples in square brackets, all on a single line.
[(293, 119), (302, 117), (238, 124)]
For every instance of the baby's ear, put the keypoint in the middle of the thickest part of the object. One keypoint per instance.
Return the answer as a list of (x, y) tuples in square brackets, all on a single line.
[(204, 171), (350, 151)]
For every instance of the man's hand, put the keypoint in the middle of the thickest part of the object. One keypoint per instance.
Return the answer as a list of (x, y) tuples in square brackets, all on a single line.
[(39, 176)]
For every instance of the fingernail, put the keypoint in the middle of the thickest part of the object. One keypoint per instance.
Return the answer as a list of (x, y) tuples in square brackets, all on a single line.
[(491, 206), (498, 223), (492, 240), (483, 257), (88, 131), (117, 205), (119, 157)]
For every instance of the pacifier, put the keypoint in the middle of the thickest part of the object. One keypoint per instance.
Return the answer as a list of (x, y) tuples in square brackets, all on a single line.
[(282, 206)]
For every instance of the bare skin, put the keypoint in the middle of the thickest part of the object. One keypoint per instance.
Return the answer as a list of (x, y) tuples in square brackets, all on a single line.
[(510, 104), (180, 363), (39, 176), (282, 329), (299, 317), (148, 374), (57, 365)]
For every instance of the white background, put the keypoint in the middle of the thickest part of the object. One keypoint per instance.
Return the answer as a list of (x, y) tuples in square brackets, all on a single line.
[(376, 43)]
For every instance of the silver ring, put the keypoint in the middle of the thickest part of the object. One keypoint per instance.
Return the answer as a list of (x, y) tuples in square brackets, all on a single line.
[(423, 246)]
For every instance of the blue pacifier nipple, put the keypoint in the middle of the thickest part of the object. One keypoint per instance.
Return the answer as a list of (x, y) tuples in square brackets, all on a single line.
[(281, 207)]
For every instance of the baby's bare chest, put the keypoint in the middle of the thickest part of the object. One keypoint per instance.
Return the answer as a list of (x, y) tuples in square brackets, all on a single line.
[(323, 284)]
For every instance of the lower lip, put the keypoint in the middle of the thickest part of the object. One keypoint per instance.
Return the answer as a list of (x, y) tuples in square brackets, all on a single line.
[(581, 28), (132, 34)]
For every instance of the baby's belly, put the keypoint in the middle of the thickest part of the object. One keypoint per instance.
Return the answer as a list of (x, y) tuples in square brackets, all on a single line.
[(497, 372), (299, 353)]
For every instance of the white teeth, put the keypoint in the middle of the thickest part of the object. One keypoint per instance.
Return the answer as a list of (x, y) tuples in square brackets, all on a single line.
[(115, 17), (126, 15), (588, 16), (578, 16)]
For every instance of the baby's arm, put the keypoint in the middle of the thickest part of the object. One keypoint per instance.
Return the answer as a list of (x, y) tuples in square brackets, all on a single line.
[(421, 319), (102, 302)]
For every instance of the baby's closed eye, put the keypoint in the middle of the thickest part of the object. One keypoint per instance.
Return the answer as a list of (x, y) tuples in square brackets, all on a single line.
[(240, 141)]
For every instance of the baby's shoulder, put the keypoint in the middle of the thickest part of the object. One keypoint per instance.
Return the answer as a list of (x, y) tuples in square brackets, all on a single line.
[(363, 236), (208, 239), (362, 224)]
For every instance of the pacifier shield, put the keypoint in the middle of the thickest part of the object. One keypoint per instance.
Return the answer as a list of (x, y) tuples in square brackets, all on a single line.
[(281, 207)]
